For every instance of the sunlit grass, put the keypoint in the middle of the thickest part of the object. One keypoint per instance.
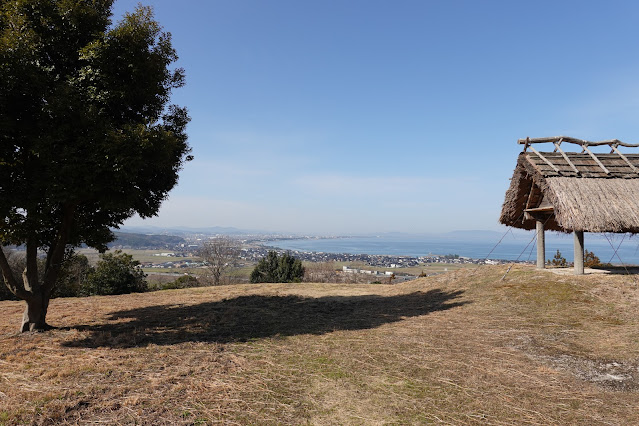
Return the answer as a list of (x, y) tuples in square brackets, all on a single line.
[(461, 347)]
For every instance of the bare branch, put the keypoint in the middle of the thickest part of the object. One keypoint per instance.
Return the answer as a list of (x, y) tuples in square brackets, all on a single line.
[(219, 253)]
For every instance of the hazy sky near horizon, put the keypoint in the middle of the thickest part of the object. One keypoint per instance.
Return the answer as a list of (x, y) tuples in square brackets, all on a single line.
[(353, 116)]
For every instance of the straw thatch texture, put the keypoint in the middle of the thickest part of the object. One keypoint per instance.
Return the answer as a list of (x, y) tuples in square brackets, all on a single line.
[(596, 205), (591, 201)]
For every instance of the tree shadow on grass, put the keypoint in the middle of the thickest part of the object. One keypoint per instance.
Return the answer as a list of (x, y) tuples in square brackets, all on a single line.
[(251, 317)]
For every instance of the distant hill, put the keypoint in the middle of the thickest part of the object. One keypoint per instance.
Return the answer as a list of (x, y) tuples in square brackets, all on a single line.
[(144, 241), (185, 230)]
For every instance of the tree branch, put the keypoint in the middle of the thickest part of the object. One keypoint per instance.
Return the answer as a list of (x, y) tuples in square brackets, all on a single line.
[(9, 278), (56, 255), (30, 274)]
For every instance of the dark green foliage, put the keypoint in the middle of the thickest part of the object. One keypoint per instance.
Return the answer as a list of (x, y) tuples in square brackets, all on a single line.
[(73, 277), (278, 269), (85, 120), (116, 273), (88, 137), (185, 281), (142, 241)]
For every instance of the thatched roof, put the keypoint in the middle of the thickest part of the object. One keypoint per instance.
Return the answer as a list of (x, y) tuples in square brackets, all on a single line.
[(572, 191)]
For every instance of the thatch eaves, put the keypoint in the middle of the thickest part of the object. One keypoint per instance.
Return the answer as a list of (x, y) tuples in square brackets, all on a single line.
[(574, 192)]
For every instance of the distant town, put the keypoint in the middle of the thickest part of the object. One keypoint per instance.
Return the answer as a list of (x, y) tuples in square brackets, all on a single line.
[(181, 251)]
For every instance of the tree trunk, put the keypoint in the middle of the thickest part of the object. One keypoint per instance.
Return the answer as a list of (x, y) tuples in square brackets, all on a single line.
[(35, 313), (35, 292), (216, 276)]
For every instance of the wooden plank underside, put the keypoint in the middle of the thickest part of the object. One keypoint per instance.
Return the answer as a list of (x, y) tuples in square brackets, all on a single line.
[(540, 209)]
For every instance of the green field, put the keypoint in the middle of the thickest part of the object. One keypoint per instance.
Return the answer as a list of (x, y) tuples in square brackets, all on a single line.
[(242, 274), (139, 255), (428, 268)]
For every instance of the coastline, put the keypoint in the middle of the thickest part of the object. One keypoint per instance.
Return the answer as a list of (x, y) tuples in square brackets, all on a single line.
[(520, 249)]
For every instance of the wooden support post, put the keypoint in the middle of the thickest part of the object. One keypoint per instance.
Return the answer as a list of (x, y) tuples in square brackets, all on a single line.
[(579, 252), (541, 245)]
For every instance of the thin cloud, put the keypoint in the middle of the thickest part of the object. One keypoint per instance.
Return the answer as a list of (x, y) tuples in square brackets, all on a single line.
[(352, 186)]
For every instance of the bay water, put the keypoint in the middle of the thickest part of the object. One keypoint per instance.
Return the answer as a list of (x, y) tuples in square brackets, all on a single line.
[(521, 246)]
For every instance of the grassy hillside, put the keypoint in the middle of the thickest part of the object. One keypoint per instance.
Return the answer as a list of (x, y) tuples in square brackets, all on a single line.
[(461, 348)]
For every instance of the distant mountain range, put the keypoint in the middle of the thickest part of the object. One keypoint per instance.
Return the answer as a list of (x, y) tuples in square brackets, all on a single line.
[(185, 230), (182, 231)]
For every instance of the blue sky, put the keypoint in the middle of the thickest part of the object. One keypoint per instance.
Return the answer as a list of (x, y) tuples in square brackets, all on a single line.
[(352, 116)]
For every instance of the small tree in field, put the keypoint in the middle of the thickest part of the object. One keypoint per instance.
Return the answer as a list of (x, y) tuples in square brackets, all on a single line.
[(87, 135), (219, 253), (558, 259), (590, 259), (278, 269)]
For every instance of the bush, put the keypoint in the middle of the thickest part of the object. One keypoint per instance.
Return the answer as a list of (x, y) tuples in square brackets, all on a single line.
[(185, 281), (116, 273), (590, 259), (278, 269), (73, 277)]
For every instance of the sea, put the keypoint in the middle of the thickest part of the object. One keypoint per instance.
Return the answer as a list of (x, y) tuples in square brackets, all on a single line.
[(521, 246)]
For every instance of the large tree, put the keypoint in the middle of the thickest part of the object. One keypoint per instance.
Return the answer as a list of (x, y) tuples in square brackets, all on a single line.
[(87, 135)]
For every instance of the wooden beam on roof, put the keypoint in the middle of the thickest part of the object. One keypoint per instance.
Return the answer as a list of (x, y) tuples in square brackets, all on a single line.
[(594, 157), (568, 139), (634, 169), (530, 195), (545, 159), (528, 202), (563, 154)]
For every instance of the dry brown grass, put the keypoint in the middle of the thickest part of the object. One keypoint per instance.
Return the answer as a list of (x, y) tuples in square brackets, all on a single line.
[(459, 348)]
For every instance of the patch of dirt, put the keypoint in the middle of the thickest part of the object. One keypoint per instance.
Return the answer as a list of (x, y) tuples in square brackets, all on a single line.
[(621, 376), (616, 375)]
